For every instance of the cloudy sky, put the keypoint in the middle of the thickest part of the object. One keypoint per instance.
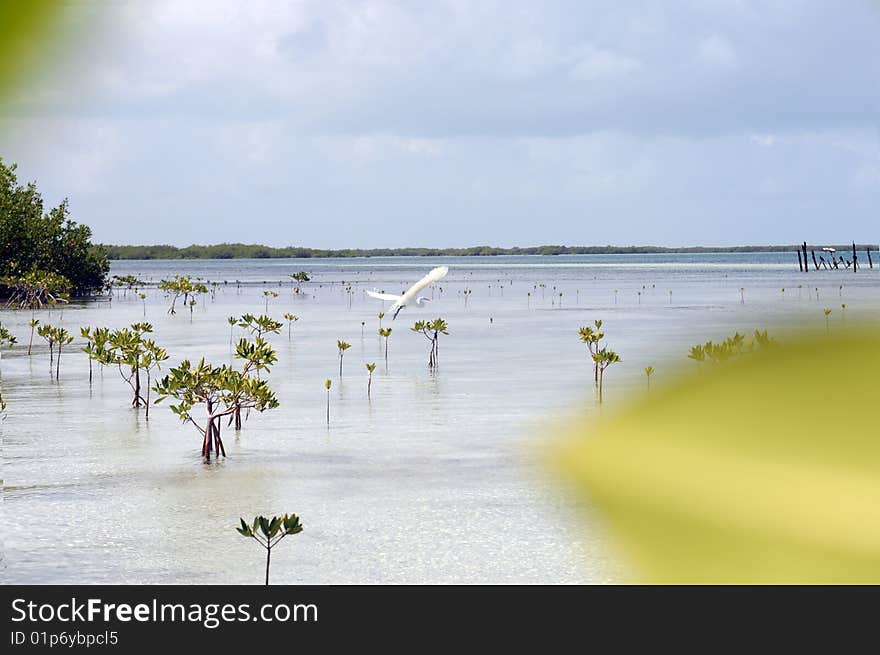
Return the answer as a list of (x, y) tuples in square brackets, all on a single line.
[(453, 123)]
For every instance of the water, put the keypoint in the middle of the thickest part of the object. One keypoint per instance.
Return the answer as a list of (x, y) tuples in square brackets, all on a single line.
[(438, 478)]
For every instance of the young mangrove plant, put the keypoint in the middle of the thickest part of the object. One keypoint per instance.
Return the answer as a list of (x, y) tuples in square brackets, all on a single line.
[(432, 330), (132, 354), (385, 333), (143, 298), (259, 325), (267, 295), (827, 312), (327, 384), (604, 358), (649, 371), (257, 356), (62, 338), (222, 390), (341, 346), (268, 532), (32, 324), (6, 337), (127, 282), (181, 286), (592, 335), (371, 366), (299, 279), (291, 319), (47, 332), (232, 321), (95, 341)]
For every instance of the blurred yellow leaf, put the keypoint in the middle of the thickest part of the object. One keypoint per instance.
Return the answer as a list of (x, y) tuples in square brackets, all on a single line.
[(766, 469), (29, 32)]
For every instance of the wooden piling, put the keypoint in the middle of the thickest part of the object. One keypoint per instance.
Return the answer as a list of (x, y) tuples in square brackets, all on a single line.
[(806, 268), (815, 263), (800, 265), (870, 262), (855, 259)]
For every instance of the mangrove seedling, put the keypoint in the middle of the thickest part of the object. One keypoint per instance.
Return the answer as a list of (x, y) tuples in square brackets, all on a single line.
[(827, 312), (341, 346), (385, 332), (181, 286), (132, 354), (33, 323), (6, 337), (143, 298), (268, 532), (432, 330), (604, 358), (222, 390), (267, 295), (62, 338), (291, 319), (592, 336), (259, 325), (649, 371), (371, 366), (327, 384), (47, 332), (257, 356), (95, 340), (298, 280), (232, 323), (381, 315)]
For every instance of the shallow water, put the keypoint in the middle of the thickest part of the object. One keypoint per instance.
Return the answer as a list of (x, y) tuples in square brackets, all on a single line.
[(437, 478)]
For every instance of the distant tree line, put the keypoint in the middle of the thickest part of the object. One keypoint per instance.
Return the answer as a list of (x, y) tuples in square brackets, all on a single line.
[(256, 251), (44, 253)]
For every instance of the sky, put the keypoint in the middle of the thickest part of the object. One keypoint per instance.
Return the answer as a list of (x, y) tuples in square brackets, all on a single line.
[(465, 122)]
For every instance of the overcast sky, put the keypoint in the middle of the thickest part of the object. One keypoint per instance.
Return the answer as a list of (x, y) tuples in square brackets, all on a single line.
[(362, 124)]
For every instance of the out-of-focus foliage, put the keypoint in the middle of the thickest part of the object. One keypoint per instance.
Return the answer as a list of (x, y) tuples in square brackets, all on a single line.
[(26, 29), (733, 346), (754, 470)]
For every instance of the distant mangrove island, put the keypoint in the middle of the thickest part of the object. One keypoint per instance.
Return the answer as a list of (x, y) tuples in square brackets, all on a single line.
[(256, 251)]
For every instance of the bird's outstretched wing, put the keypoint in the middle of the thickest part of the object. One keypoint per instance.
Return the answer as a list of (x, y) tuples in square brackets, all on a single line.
[(382, 296), (410, 295), (436, 274)]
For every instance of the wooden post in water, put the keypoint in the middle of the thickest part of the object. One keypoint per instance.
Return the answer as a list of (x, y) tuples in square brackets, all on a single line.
[(855, 258), (815, 263), (870, 262), (800, 265), (806, 267)]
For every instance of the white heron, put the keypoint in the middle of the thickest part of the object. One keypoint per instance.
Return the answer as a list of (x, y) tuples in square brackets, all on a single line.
[(410, 295)]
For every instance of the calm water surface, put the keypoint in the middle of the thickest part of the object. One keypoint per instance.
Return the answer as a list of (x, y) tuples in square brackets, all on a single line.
[(438, 478)]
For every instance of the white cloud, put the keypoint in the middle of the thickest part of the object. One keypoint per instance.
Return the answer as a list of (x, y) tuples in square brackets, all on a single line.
[(765, 140), (715, 50), (598, 64)]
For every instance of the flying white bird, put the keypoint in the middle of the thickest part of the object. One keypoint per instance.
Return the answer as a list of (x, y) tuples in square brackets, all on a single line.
[(410, 294)]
